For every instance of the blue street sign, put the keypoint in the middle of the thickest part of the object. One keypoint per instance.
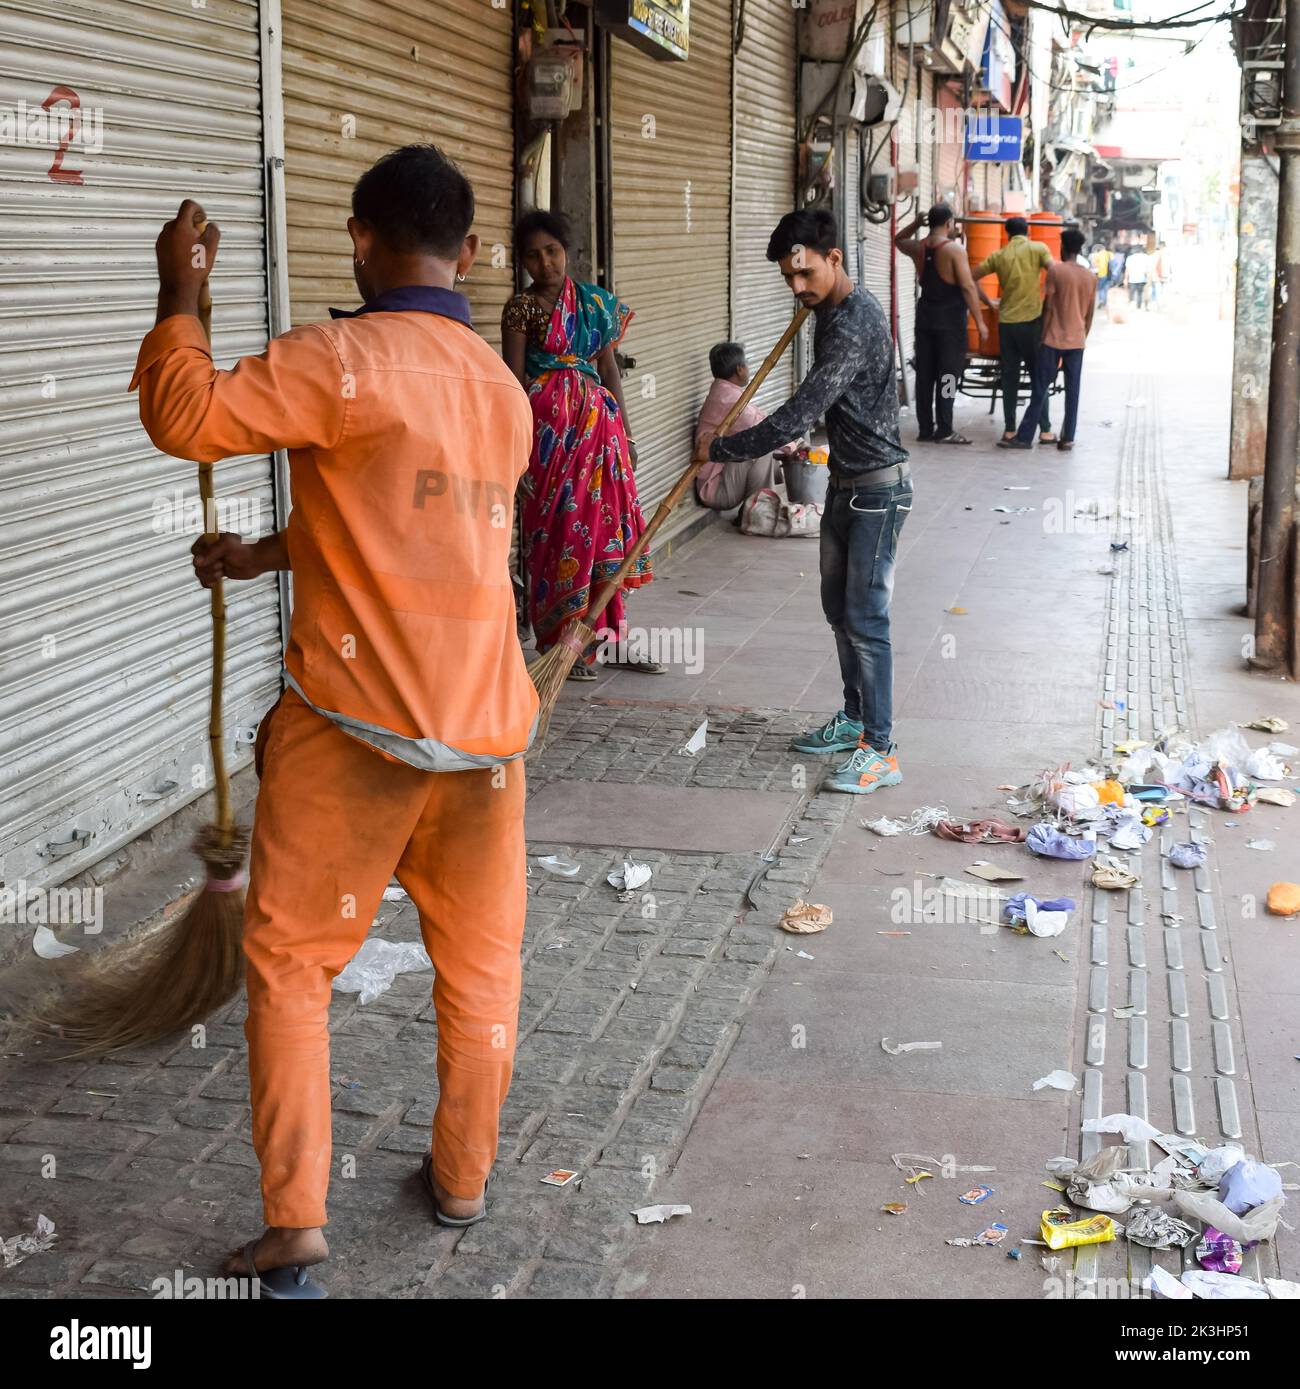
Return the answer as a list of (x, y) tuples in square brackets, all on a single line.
[(996, 139)]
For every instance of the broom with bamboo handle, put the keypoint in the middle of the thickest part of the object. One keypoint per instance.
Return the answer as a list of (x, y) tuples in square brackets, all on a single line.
[(549, 672), (150, 987)]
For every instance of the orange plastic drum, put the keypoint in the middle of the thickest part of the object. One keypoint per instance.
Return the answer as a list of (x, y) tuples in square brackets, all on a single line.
[(985, 232), (1046, 227)]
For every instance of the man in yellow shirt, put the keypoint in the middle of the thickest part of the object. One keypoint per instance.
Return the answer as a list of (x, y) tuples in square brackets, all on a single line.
[(1018, 266)]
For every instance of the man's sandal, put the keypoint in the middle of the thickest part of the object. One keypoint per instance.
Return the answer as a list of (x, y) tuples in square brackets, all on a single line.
[(454, 1222), (290, 1283)]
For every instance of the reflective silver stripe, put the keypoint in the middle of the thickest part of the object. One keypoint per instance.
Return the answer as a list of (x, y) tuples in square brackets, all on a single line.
[(424, 753)]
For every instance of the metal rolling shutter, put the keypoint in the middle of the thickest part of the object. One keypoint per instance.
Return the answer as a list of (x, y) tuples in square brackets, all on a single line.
[(850, 180), (362, 77), (104, 632), (672, 224), (763, 188)]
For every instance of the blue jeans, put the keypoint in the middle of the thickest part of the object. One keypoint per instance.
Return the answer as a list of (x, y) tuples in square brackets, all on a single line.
[(859, 544), (1070, 361)]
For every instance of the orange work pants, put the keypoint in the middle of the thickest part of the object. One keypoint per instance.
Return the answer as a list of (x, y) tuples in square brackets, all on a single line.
[(334, 821)]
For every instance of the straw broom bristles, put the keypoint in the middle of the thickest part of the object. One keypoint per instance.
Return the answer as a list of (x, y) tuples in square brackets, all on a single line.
[(550, 671), (147, 989)]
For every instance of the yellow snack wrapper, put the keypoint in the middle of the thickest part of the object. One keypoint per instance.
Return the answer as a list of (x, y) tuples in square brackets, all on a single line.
[(1061, 1231)]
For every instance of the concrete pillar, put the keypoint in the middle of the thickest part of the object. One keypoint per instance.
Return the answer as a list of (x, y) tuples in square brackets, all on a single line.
[(1253, 332)]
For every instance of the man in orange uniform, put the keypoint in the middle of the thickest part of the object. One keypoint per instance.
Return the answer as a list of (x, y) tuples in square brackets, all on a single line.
[(396, 747)]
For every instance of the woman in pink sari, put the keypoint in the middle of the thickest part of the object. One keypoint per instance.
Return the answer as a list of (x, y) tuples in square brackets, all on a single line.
[(580, 513)]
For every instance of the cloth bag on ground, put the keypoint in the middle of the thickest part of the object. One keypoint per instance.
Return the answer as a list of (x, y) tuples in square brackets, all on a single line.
[(771, 514)]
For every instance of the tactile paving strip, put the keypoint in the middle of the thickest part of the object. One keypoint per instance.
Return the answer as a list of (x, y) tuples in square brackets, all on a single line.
[(1162, 1029)]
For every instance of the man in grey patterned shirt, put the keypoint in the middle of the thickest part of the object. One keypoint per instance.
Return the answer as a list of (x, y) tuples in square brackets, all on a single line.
[(852, 384)]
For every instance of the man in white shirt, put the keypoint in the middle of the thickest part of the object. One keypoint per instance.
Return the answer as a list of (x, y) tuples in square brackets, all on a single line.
[(1137, 274)]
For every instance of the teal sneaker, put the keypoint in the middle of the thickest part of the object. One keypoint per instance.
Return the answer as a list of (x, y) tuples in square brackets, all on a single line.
[(866, 771), (838, 734)]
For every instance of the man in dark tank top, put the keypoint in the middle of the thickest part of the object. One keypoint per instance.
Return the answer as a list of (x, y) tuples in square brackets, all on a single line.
[(947, 291)]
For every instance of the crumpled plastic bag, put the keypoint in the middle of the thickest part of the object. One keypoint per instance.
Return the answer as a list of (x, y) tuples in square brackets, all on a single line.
[(1211, 1168), (1248, 1184), (1128, 1126), (1049, 842), (1266, 765), (1251, 1228), (371, 971), (1222, 1286), (1043, 917), (1189, 855), (1072, 799)]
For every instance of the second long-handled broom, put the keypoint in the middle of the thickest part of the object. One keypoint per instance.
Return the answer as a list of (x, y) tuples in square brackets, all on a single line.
[(149, 988), (551, 670)]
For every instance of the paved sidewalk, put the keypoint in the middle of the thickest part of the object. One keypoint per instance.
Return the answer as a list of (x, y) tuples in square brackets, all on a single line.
[(673, 1046), (790, 1161)]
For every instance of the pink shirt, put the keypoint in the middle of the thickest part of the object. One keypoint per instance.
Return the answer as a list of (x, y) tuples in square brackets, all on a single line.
[(722, 396)]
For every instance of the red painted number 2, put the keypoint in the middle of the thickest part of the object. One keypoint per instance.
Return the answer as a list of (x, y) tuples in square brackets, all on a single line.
[(57, 172)]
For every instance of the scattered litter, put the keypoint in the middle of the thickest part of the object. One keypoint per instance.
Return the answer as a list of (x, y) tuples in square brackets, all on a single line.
[(1118, 546), (1163, 1284), (893, 933), (559, 865), (920, 821), (955, 610), (1268, 724), (1284, 899), (1062, 1231), (1014, 510), (1276, 795), (1042, 917), (1157, 1229), (1050, 1262), (695, 743), (1218, 1253), (1109, 873), (48, 946), (894, 1207), (1255, 1225), (1130, 1128), (628, 878), (918, 1177), (800, 838), (1264, 845), (562, 1176), (806, 918), (395, 894), (981, 831), (556, 945), (1266, 764), (803, 955), (1049, 842), (975, 1195), (656, 1215), (1248, 1184), (898, 1048), (1222, 1286), (17, 1247), (1282, 1288), (992, 1234), (992, 873), (1013, 1253), (1057, 1080), (371, 971), (1189, 855)]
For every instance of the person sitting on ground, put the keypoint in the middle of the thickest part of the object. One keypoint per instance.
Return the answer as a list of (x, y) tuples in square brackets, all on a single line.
[(720, 486)]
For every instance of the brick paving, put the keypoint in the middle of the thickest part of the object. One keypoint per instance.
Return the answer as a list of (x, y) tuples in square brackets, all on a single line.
[(629, 1010)]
